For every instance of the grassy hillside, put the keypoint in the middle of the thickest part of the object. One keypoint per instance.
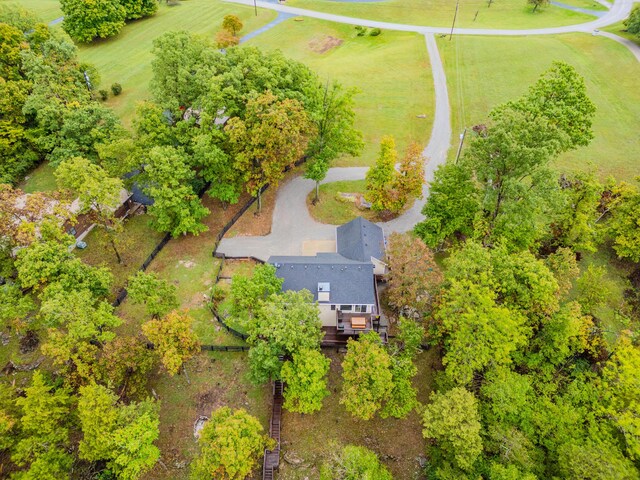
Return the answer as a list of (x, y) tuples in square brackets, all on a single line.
[(485, 71), (392, 72), (439, 13)]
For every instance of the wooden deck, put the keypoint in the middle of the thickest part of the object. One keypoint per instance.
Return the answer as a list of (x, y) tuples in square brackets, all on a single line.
[(334, 339)]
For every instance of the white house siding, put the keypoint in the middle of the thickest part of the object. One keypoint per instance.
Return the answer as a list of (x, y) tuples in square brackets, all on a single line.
[(327, 316), (379, 268)]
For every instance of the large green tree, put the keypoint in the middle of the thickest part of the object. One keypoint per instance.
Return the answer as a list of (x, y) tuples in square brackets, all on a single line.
[(336, 134), (84, 21), (121, 435), (158, 295), (139, 8), (44, 440), (478, 332), (366, 375), (176, 208), (283, 325), (452, 420), (78, 326), (248, 292), (305, 378), (507, 192), (273, 135), (231, 442)]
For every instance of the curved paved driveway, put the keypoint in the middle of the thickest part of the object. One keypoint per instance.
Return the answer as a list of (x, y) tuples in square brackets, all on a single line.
[(292, 224)]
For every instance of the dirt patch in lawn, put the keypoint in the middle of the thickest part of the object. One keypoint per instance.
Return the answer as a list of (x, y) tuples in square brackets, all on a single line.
[(398, 443), (232, 267), (324, 44)]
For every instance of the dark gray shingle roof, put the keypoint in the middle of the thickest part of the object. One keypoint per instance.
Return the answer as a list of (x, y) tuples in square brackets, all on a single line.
[(351, 281), (360, 240)]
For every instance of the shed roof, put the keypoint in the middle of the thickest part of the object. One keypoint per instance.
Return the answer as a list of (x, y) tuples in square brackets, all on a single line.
[(360, 240)]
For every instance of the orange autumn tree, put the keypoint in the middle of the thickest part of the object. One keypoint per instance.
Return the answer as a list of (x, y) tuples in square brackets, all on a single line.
[(414, 276)]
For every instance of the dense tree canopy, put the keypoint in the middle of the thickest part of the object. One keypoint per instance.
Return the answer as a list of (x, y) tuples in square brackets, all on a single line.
[(633, 22), (282, 326), (46, 109), (84, 21), (503, 190), (305, 378), (366, 375)]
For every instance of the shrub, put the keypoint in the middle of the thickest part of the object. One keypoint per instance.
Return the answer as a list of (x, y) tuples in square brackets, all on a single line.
[(116, 89), (361, 31), (103, 94), (375, 32)]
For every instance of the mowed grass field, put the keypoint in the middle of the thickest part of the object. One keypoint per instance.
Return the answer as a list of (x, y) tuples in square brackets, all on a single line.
[(483, 72), (47, 10), (439, 13), (126, 58), (392, 72)]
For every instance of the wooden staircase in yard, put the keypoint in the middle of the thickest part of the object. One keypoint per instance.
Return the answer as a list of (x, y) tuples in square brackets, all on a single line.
[(271, 460)]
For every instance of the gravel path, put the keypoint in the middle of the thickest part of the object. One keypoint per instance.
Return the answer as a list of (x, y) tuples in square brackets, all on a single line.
[(292, 224)]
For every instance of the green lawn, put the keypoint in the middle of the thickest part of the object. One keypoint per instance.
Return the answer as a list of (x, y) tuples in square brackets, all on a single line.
[(392, 72), (485, 71), (39, 180), (620, 29), (439, 13), (332, 208), (47, 10), (590, 4), (126, 58)]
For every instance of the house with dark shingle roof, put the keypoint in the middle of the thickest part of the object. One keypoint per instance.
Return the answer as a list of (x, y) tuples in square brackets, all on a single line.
[(363, 241), (343, 283)]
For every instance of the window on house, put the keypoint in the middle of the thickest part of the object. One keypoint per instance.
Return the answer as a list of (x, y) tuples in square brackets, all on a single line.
[(346, 308), (333, 307), (361, 308)]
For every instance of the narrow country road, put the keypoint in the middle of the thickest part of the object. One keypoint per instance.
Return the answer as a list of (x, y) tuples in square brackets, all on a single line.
[(292, 224), (618, 12)]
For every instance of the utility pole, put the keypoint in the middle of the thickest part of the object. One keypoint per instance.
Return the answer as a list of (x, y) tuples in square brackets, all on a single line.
[(454, 19), (462, 135), (255, 6)]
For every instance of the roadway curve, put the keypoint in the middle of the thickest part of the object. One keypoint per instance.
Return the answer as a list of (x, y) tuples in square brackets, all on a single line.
[(292, 224), (618, 12)]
